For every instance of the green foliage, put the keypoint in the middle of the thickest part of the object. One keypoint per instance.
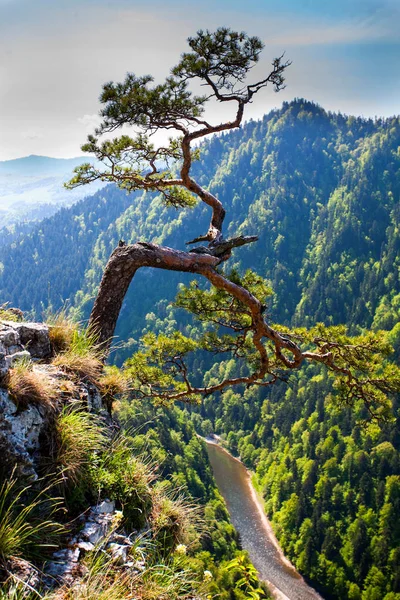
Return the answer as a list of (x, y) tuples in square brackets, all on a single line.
[(7, 314), (179, 197), (168, 352), (359, 365), (148, 107), (27, 521), (321, 192), (128, 159), (218, 306), (80, 436), (179, 534), (169, 437), (248, 581), (118, 473), (102, 580), (328, 235), (224, 55), (369, 377), (57, 252), (175, 520), (331, 486)]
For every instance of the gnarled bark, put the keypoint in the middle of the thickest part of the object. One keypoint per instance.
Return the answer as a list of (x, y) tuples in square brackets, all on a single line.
[(126, 260), (119, 272)]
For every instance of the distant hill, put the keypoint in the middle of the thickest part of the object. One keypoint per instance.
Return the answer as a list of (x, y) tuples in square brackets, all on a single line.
[(40, 166), (31, 188)]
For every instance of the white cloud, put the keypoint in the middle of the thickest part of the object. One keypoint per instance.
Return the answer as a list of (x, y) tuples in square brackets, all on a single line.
[(32, 134), (57, 55), (90, 122)]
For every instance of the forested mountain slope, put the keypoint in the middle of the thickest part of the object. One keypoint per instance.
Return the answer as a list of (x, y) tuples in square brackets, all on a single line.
[(321, 191), (331, 484), (47, 265), (31, 188)]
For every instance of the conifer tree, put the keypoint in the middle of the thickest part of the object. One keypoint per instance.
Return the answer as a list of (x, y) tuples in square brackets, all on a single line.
[(235, 305)]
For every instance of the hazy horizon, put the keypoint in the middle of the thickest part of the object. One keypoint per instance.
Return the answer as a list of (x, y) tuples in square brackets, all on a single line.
[(80, 154), (56, 56)]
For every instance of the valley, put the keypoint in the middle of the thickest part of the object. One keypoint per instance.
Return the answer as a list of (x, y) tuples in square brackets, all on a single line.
[(321, 190)]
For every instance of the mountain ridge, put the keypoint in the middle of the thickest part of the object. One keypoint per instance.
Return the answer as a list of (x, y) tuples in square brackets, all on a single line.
[(285, 178), (322, 191), (46, 164)]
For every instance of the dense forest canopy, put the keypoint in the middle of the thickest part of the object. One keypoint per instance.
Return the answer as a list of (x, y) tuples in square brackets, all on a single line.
[(314, 463), (252, 171)]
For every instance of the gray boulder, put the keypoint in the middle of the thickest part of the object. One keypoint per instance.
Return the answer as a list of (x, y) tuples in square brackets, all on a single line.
[(34, 337)]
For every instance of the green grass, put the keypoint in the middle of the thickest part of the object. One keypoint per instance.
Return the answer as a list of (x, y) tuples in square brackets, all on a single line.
[(10, 314), (27, 527), (127, 479), (174, 519), (104, 581), (80, 435)]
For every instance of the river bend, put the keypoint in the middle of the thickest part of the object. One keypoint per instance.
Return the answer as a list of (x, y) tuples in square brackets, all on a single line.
[(247, 515)]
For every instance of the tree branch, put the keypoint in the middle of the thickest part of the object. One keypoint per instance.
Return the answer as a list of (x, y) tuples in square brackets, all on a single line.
[(221, 60), (119, 272)]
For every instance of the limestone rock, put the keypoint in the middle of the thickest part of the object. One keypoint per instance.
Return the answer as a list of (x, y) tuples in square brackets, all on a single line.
[(35, 338), (65, 568), (24, 571), (22, 340), (90, 395), (97, 528), (19, 435), (8, 335), (22, 428), (119, 553), (17, 356), (3, 365), (105, 507), (85, 546)]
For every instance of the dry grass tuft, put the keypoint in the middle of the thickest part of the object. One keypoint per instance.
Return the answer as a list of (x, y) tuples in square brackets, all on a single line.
[(174, 519), (83, 357), (112, 384), (61, 331), (68, 387), (25, 385), (84, 367), (107, 583)]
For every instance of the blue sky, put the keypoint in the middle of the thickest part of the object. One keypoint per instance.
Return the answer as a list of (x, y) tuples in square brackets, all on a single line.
[(55, 55)]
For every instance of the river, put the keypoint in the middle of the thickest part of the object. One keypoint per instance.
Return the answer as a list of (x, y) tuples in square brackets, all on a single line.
[(247, 515)]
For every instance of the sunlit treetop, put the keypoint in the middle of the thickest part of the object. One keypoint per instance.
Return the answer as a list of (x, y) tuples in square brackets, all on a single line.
[(220, 61)]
